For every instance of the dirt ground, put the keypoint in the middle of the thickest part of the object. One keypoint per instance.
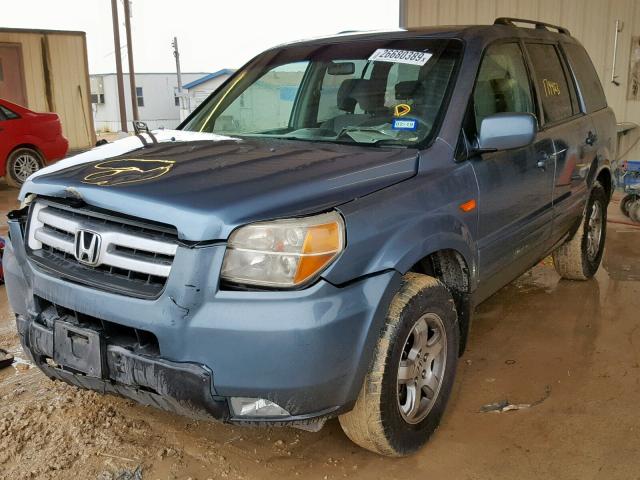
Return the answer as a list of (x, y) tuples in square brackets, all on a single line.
[(574, 346)]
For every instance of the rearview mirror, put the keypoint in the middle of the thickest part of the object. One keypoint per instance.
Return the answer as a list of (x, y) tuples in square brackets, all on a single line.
[(505, 131), (342, 68)]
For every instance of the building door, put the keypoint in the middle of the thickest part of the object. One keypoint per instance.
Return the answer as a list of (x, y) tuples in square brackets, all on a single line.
[(12, 74)]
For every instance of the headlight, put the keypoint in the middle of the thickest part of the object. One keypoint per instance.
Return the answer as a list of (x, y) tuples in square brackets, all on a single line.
[(283, 253)]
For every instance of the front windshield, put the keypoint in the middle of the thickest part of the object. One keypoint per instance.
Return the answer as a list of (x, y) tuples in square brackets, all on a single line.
[(364, 92)]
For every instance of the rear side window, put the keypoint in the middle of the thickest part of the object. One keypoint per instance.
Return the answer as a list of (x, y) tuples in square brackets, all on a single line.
[(587, 77), (502, 84), (553, 85)]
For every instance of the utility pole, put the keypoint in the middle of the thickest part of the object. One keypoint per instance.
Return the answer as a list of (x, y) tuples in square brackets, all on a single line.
[(116, 43), (176, 54), (132, 74)]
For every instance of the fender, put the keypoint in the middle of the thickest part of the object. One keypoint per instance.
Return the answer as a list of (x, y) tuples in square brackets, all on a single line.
[(398, 226)]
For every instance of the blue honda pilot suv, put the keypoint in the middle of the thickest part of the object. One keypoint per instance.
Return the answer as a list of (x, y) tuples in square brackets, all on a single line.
[(311, 242)]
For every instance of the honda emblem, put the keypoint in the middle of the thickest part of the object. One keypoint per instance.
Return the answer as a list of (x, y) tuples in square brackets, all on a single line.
[(87, 247)]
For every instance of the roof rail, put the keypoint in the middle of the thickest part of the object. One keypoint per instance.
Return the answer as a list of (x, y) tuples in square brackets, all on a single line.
[(539, 25)]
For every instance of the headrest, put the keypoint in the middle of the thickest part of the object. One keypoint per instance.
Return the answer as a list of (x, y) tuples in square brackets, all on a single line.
[(345, 101), (407, 89), (369, 94)]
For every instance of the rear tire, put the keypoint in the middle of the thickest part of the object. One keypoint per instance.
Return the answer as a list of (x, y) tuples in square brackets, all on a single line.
[(579, 258), (405, 392), (21, 163)]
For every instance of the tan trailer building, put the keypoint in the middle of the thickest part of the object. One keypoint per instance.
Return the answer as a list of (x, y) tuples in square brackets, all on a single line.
[(608, 29), (47, 71)]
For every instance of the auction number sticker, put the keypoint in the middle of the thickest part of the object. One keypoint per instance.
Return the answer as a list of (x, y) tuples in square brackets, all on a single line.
[(400, 56)]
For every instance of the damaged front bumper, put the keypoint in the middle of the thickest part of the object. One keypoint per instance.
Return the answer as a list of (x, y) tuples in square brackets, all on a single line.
[(182, 388), (196, 347)]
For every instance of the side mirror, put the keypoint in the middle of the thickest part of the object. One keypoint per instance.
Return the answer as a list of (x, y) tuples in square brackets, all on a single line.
[(505, 131)]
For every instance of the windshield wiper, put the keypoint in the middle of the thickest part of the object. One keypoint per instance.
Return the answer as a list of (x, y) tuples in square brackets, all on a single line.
[(387, 143)]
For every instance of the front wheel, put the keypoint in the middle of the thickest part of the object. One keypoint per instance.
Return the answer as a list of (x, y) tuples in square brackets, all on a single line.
[(21, 163), (579, 257), (405, 392)]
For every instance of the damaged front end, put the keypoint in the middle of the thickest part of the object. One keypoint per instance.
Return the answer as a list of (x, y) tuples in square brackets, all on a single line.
[(92, 353), (156, 326)]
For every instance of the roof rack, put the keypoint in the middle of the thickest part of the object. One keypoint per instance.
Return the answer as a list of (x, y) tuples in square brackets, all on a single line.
[(538, 25)]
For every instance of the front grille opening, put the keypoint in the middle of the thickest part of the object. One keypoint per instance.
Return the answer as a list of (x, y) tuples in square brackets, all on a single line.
[(59, 231), (137, 253), (134, 339)]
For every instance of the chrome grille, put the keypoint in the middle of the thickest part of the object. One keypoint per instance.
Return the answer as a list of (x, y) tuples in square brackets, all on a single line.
[(131, 257)]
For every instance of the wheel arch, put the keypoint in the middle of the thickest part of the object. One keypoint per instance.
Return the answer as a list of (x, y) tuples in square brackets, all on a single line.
[(452, 269), (606, 180), (601, 170)]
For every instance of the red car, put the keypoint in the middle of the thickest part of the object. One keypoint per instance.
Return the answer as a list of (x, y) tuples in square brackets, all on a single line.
[(28, 141)]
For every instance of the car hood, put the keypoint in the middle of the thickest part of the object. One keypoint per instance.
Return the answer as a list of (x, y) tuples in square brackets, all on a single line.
[(206, 185)]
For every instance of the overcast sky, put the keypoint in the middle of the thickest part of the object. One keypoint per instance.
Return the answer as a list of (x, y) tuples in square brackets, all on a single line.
[(212, 34)]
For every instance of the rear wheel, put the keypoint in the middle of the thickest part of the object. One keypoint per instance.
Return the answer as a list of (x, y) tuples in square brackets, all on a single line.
[(626, 202), (579, 258), (21, 163), (634, 210), (405, 392)]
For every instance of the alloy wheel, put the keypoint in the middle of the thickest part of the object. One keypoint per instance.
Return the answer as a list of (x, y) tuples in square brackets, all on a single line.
[(421, 368), (24, 166), (594, 231)]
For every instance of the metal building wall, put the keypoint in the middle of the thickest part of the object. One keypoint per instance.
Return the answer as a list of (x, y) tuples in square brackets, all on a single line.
[(593, 22), (64, 56)]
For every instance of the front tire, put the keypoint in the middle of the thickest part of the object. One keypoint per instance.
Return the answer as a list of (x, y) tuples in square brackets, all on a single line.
[(21, 163), (405, 392), (579, 258)]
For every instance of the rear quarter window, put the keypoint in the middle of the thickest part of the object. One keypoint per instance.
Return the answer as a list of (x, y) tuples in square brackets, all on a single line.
[(586, 76), (6, 114), (554, 87)]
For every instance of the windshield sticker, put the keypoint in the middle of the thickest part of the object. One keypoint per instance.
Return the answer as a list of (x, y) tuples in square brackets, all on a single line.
[(401, 110), (400, 56), (404, 124)]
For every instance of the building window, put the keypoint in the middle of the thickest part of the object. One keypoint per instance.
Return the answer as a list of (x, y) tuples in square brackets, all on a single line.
[(97, 98), (140, 96)]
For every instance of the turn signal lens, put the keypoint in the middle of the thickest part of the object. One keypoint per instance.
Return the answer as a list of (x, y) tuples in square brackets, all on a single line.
[(283, 253), (321, 245)]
